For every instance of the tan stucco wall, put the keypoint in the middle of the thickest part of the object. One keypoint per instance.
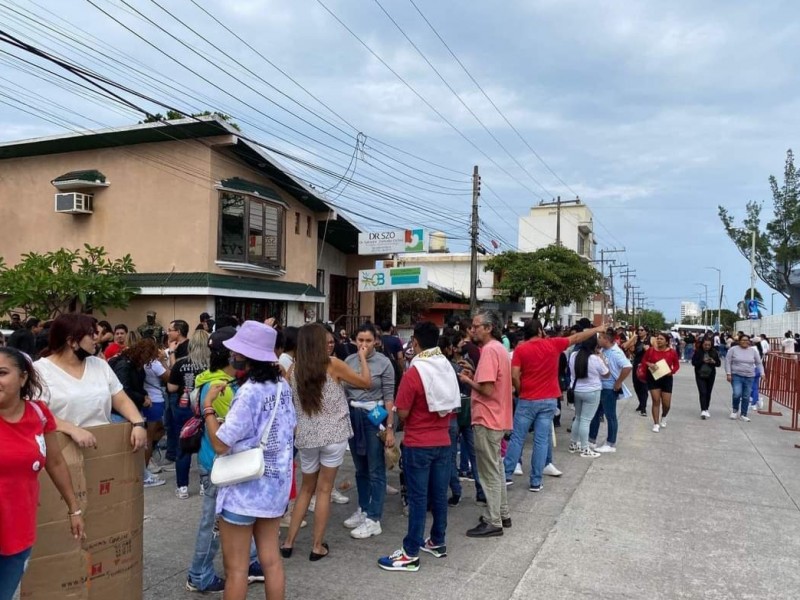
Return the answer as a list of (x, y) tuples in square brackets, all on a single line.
[(152, 209), (168, 308)]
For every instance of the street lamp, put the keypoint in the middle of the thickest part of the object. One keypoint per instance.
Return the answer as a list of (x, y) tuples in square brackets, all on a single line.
[(706, 305), (719, 306), (772, 304)]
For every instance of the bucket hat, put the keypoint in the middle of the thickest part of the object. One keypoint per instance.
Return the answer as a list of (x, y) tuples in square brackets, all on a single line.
[(255, 341)]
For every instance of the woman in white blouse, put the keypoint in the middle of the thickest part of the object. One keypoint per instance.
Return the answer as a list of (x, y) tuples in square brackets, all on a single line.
[(81, 389)]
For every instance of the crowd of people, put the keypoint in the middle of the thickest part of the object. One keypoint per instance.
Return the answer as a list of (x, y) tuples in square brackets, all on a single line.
[(465, 397)]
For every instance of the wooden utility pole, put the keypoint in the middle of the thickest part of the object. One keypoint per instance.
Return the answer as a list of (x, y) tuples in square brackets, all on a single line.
[(473, 270), (603, 261)]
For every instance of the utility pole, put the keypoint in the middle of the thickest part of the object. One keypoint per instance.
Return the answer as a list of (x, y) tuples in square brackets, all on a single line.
[(627, 275), (632, 292), (473, 268), (603, 253), (611, 281)]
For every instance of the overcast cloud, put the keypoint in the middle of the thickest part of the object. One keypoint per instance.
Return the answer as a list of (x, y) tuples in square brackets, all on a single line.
[(653, 112)]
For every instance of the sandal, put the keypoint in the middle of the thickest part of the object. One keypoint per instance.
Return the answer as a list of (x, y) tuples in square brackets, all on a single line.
[(315, 557), (286, 552)]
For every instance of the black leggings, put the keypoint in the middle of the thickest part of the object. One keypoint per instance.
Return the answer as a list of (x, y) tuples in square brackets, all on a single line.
[(704, 388), (641, 392)]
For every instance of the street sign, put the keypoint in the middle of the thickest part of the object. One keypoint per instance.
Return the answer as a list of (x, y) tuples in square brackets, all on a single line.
[(395, 241), (402, 278), (752, 309)]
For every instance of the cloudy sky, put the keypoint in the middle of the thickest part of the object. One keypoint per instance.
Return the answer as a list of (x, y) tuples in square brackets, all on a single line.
[(653, 112)]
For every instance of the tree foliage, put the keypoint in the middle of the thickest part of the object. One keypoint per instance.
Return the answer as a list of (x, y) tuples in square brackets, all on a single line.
[(554, 276), (652, 319), (173, 115), (410, 305), (778, 243), (47, 285)]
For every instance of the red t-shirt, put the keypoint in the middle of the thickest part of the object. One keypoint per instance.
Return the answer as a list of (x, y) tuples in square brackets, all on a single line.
[(113, 349), (22, 456), (652, 356), (422, 428), (537, 360)]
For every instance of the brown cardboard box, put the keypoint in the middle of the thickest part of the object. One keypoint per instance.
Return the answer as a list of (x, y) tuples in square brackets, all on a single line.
[(108, 563)]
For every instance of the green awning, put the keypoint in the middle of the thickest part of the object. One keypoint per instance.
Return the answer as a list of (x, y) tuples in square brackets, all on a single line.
[(216, 284)]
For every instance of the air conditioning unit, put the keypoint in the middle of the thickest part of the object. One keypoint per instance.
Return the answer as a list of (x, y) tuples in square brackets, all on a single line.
[(74, 203)]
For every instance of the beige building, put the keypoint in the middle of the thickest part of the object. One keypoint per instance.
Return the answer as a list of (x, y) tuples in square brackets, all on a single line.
[(212, 222)]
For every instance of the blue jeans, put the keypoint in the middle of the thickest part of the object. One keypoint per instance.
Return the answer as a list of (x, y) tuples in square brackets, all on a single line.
[(201, 573), (754, 397), (742, 389), (538, 413), (608, 407), (586, 404), (455, 484), (469, 461), (370, 467), (12, 567), (178, 418), (688, 352), (427, 473), (171, 452)]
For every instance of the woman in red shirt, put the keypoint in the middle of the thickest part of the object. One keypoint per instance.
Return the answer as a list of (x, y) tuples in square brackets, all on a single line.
[(27, 444), (661, 389)]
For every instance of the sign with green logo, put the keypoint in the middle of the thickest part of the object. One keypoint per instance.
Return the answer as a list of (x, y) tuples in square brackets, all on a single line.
[(396, 241), (401, 278)]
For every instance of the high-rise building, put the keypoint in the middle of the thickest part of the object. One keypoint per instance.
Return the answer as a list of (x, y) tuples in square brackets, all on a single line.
[(689, 309)]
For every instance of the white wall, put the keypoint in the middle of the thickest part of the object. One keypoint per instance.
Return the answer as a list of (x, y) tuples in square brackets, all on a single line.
[(451, 271), (772, 326)]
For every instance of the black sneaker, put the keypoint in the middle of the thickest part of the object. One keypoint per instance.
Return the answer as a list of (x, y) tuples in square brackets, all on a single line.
[(255, 572), (509, 482), (454, 500), (506, 521), (437, 551), (485, 530), (216, 586), (535, 488)]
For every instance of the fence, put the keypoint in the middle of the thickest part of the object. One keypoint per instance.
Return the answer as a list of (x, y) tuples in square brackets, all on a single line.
[(781, 385)]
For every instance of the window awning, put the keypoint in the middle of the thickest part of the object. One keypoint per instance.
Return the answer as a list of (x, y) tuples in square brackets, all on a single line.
[(88, 178)]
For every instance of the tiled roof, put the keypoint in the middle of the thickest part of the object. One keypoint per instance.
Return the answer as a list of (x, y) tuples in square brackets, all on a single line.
[(228, 282)]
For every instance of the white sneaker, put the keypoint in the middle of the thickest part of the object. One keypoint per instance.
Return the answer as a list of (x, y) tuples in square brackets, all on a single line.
[(154, 467), (606, 449), (550, 469), (760, 405), (704, 414), (153, 481), (518, 469), (734, 416), (574, 447), (338, 497), (367, 529), (592, 446), (391, 491), (355, 520), (589, 453), (663, 422), (286, 520), (745, 418), (656, 428), (182, 492), (313, 504)]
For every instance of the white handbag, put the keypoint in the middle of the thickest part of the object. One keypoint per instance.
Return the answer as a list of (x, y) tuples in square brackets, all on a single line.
[(247, 465)]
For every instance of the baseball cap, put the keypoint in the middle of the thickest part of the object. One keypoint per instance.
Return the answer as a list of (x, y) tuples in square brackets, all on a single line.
[(222, 334), (205, 316), (151, 313), (255, 341)]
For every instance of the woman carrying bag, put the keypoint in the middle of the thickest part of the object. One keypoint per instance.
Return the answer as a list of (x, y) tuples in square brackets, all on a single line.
[(261, 417)]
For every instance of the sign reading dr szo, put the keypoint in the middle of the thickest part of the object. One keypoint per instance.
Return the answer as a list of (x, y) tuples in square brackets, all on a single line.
[(395, 241)]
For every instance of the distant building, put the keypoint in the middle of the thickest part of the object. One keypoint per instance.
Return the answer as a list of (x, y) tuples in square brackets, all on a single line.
[(540, 228), (690, 310)]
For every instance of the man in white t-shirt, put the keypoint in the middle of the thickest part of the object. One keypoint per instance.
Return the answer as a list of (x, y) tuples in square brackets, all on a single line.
[(764, 345), (787, 345)]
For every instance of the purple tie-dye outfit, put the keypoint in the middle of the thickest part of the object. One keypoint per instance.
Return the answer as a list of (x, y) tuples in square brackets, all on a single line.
[(250, 411)]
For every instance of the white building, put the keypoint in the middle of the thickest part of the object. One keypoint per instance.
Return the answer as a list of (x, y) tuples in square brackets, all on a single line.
[(451, 272), (540, 228), (689, 309)]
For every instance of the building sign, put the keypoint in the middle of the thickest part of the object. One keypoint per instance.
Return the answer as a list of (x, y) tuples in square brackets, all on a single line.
[(402, 278), (395, 241)]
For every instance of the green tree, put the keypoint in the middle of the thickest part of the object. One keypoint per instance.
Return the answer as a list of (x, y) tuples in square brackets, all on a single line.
[(47, 285), (410, 305), (554, 276), (778, 243), (652, 319)]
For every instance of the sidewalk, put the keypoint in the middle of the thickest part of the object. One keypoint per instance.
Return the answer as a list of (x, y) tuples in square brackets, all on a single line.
[(704, 509)]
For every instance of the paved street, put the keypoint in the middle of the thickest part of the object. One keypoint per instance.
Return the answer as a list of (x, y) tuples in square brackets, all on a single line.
[(704, 509)]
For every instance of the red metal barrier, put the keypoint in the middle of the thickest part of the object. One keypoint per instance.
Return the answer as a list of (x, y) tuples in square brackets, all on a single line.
[(781, 384)]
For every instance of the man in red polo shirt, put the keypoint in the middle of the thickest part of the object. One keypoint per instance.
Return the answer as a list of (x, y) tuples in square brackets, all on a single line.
[(534, 370)]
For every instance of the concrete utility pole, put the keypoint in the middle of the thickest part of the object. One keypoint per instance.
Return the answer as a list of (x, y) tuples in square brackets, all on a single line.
[(611, 281), (603, 253), (627, 275), (558, 203), (632, 292), (473, 267)]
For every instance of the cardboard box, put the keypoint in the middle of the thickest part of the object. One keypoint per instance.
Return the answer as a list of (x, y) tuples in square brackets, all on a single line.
[(108, 563)]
